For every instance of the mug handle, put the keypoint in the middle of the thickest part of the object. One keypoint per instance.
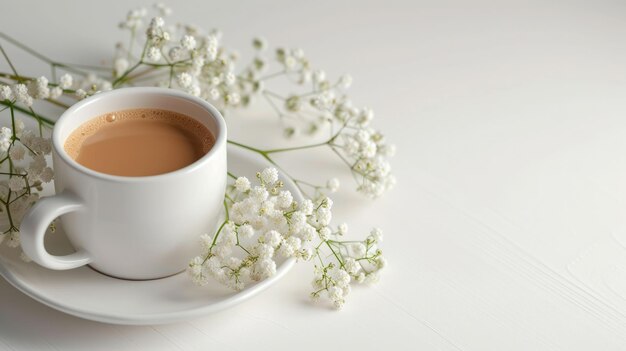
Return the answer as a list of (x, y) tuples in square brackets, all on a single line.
[(34, 226)]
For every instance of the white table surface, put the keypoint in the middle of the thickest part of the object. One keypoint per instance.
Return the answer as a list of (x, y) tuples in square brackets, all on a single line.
[(506, 230)]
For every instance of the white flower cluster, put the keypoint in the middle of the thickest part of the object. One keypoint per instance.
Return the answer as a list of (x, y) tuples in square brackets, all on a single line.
[(24, 160), (89, 85), (361, 147), (266, 223), (36, 89), (134, 19), (199, 65), (356, 261), (364, 149), (370, 156)]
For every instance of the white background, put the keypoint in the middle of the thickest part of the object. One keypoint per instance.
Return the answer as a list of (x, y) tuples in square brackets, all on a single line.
[(506, 229)]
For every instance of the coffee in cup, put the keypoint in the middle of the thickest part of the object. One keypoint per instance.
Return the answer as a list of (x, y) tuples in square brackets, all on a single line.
[(139, 142)]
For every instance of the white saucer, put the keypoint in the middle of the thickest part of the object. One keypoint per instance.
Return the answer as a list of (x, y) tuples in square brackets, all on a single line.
[(88, 294)]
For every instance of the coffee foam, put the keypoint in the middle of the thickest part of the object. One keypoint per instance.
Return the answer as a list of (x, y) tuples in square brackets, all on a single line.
[(76, 139)]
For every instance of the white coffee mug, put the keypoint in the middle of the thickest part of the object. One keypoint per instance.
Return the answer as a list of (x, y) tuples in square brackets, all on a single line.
[(130, 227)]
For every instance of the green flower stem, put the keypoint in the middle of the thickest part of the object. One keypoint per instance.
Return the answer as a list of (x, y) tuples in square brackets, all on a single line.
[(226, 210), (273, 151), (15, 77), (273, 75), (169, 64), (219, 230), (58, 103), (276, 109), (122, 78), (7, 205), (274, 94), (29, 112), (13, 124), (259, 151), (334, 253), (307, 183), (266, 156), (130, 70), (82, 65)]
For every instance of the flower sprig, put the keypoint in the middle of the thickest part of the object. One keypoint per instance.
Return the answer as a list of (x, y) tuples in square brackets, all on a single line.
[(188, 58), (263, 223), (24, 170)]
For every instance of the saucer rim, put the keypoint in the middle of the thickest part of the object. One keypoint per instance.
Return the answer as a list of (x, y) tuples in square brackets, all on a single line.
[(149, 319)]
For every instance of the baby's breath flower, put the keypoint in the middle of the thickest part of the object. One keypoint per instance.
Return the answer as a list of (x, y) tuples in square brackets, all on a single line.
[(357, 250), (133, 19), (246, 231), (308, 232), (230, 78), (17, 152), (16, 183), (176, 53), (342, 229), (6, 93), (214, 94), (56, 92), (265, 268), (319, 76), (333, 185), (157, 23), (163, 9), (232, 98), (20, 91), (272, 238), (269, 175), (13, 238), (345, 81), (376, 235), (387, 150), (65, 82), (259, 43), (293, 103), (188, 42), (205, 241), (6, 136), (153, 54), (194, 90), (120, 66), (264, 251), (242, 184), (365, 116), (184, 79), (38, 88), (19, 127), (325, 233), (284, 199), (351, 266), (273, 224), (335, 293), (81, 94), (46, 175)]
